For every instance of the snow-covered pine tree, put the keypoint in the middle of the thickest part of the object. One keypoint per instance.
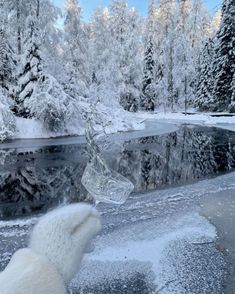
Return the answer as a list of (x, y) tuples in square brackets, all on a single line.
[(204, 86), (183, 55), (166, 22), (104, 62), (100, 42), (6, 63), (199, 27), (119, 36), (76, 53), (51, 39), (199, 33), (193, 28), (215, 23), (130, 56), (100, 39), (6, 53), (224, 60), (30, 64), (18, 11), (115, 48), (49, 103), (148, 91)]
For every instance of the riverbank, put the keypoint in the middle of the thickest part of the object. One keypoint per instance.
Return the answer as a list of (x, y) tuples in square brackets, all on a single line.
[(127, 122)]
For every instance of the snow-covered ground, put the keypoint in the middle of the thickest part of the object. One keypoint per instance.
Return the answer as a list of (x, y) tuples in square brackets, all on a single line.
[(220, 121), (119, 121)]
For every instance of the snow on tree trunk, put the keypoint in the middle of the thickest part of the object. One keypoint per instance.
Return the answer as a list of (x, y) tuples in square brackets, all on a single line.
[(7, 119), (7, 64), (148, 90)]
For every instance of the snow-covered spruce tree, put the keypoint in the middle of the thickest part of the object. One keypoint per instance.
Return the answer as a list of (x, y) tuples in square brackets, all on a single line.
[(30, 68), (76, 53), (105, 77), (199, 27), (16, 16), (7, 119), (224, 60), (148, 92), (115, 43), (166, 20), (185, 41), (7, 62), (204, 86), (232, 105), (51, 39), (126, 29), (49, 103), (18, 12), (148, 95), (199, 32), (132, 62)]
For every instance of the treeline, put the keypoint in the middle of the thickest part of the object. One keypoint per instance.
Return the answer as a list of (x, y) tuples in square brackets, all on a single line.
[(216, 73), (177, 57)]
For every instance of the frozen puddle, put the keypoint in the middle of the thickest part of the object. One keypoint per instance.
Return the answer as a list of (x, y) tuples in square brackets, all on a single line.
[(177, 255)]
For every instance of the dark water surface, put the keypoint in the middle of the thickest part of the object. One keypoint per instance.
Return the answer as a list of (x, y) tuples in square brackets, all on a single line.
[(38, 178)]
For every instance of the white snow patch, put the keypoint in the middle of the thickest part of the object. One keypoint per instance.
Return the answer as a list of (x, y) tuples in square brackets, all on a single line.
[(19, 223), (123, 121), (226, 122), (117, 121), (143, 243), (29, 128)]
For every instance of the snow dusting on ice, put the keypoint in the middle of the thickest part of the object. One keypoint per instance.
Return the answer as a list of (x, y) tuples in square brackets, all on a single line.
[(156, 243), (144, 249)]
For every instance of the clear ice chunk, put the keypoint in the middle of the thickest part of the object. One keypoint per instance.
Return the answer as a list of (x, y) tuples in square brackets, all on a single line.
[(104, 184)]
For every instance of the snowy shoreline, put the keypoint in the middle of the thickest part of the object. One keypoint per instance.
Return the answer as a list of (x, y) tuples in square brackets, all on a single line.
[(207, 119), (33, 129)]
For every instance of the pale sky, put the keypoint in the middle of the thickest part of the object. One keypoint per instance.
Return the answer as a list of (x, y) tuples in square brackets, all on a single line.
[(88, 6)]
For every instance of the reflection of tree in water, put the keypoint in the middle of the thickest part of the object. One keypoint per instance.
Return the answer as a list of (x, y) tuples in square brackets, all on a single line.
[(35, 181), (186, 155), (38, 180)]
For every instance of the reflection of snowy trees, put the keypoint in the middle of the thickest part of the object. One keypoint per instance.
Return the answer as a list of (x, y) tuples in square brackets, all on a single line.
[(37, 181), (177, 158), (41, 179)]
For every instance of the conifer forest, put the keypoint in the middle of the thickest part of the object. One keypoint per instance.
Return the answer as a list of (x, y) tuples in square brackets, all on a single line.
[(54, 66)]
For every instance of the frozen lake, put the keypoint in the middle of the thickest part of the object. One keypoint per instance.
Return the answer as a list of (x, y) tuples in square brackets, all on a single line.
[(173, 235)]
